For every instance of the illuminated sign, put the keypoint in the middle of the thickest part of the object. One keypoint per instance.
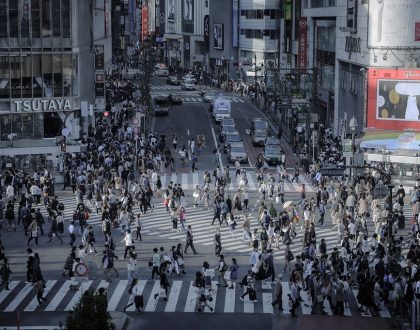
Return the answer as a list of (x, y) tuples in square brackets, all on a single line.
[(42, 105)]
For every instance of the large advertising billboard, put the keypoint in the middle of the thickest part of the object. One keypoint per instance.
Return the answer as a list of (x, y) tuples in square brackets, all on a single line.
[(392, 23), (218, 36), (187, 16), (393, 99)]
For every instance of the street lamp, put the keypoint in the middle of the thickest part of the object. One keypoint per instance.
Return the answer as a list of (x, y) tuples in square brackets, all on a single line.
[(353, 127)]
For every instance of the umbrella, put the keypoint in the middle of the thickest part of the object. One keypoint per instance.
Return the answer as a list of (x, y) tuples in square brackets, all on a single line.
[(287, 204)]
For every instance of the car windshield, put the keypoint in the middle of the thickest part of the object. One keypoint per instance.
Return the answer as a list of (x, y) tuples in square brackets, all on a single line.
[(233, 138), (163, 102), (260, 125), (237, 149), (229, 128), (272, 150), (189, 81), (228, 121), (261, 133), (272, 142)]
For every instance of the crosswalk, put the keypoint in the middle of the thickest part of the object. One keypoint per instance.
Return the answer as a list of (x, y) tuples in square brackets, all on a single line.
[(181, 298), (189, 181), (157, 223), (162, 87), (189, 99)]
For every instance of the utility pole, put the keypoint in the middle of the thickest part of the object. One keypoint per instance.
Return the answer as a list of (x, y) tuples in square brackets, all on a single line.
[(255, 79)]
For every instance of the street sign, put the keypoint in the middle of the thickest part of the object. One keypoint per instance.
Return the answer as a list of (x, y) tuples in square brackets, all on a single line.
[(81, 269), (347, 145)]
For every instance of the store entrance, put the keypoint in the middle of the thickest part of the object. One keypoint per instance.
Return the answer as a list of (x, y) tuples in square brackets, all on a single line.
[(52, 125)]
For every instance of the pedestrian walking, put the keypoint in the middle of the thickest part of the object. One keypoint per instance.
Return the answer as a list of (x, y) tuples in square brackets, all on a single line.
[(164, 283), (70, 230), (33, 232), (279, 293), (53, 229), (217, 243), (68, 265), (131, 266), (222, 268), (190, 241), (30, 265), (139, 226), (39, 289), (5, 274), (249, 282), (108, 263), (155, 263), (90, 241), (134, 291)]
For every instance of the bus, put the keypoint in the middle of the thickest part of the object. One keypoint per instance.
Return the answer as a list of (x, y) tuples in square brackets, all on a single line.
[(161, 70), (161, 105)]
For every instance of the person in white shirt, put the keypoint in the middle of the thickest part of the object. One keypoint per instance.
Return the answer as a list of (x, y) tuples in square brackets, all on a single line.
[(129, 242), (254, 257), (70, 229), (10, 193)]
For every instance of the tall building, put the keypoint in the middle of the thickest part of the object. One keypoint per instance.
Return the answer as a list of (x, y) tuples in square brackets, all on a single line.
[(49, 51)]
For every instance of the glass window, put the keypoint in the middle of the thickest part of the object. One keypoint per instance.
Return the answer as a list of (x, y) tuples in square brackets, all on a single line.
[(56, 18), (15, 75), (13, 19), (46, 18), (17, 125), (75, 76), (38, 120), (37, 75), (24, 19), (273, 14), (3, 19), (26, 76), (4, 77), (58, 75), (35, 16), (66, 18), (243, 12), (266, 12), (5, 127), (27, 126), (260, 14), (47, 75), (67, 75)]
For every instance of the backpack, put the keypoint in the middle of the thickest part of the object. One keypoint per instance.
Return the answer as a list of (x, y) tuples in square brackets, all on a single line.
[(290, 256), (244, 281)]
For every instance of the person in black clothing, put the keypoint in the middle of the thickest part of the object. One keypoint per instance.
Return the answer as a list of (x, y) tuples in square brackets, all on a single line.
[(189, 241), (40, 220), (30, 265), (216, 214), (202, 298), (164, 283)]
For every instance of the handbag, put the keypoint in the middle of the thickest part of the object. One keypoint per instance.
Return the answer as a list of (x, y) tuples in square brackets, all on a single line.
[(196, 195), (227, 275), (180, 262), (209, 272), (162, 293)]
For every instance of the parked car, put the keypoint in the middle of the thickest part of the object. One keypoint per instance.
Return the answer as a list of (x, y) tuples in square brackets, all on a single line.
[(173, 80), (226, 129), (236, 151), (188, 85)]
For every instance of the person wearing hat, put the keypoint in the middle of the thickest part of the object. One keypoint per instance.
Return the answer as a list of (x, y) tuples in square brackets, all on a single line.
[(279, 293)]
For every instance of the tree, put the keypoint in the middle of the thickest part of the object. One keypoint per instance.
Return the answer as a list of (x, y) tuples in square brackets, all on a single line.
[(90, 313)]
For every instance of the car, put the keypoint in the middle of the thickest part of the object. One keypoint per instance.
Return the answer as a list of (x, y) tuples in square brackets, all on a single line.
[(173, 80), (259, 124), (232, 137), (236, 151), (272, 141), (176, 99), (259, 137), (227, 121), (188, 85), (226, 129), (210, 96), (272, 154), (189, 77)]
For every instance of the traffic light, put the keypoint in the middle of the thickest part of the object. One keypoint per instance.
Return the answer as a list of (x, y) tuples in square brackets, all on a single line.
[(63, 146), (106, 114)]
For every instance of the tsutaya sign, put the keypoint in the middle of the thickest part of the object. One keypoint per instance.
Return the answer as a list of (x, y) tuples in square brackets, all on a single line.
[(42, 105)]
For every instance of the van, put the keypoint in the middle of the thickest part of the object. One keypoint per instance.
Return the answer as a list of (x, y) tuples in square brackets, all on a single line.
[(221, 109)]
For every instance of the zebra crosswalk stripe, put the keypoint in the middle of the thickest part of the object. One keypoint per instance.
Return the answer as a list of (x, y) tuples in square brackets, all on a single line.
[(5, 293), (83, 287), (223, 300)]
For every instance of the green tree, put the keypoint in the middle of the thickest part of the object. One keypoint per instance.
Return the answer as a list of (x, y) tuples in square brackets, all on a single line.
[(90, 313)]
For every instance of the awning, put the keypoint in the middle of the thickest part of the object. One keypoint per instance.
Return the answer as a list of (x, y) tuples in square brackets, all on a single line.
[(391, 140)]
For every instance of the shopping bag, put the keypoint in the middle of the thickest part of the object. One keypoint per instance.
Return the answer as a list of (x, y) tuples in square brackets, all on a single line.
[(209, 273), (227, 275), (162, 293)]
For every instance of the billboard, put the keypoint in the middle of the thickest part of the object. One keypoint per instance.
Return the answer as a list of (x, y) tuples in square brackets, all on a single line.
[(303, 41), (171, 10), (384, 30), (187, 16), (218, 36), (393, 99), (206, 29)]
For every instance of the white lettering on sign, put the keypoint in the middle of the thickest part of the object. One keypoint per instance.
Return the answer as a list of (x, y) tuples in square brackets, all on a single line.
[(43, 105)]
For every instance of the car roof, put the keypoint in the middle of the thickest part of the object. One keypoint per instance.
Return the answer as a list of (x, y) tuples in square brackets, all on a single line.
[(272, 141), (237, 145)]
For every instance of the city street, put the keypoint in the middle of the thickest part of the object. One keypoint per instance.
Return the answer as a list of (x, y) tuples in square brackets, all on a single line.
[(193, 118)]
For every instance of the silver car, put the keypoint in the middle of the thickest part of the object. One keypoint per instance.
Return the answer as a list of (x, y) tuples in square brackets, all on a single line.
[(236, 151)]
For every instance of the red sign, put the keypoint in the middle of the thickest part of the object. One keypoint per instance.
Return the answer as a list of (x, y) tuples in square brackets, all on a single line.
[(144, 23), (393, 99), (417, 32), (302, 43)]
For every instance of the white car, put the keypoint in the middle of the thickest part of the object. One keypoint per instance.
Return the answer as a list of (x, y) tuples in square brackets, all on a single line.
[(189, 77), (188, 85), (236, 151), (210, 96)]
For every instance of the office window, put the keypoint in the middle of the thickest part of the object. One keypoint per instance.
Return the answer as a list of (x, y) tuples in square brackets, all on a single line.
[(273, 14), (27, 126), (24, 20), (17, 127), (258, 34), (36, 18), (46, 18), (56, 18), (47, 75), (266, 33), (260, 14), (37, 75), (243, 32), (66, 18), (266, 12), (251, 14), (3, 19), (13, 19), (207, 4), (243, 12)]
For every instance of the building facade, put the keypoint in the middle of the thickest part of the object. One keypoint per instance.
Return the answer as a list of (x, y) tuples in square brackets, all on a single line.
[(47, 66)]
